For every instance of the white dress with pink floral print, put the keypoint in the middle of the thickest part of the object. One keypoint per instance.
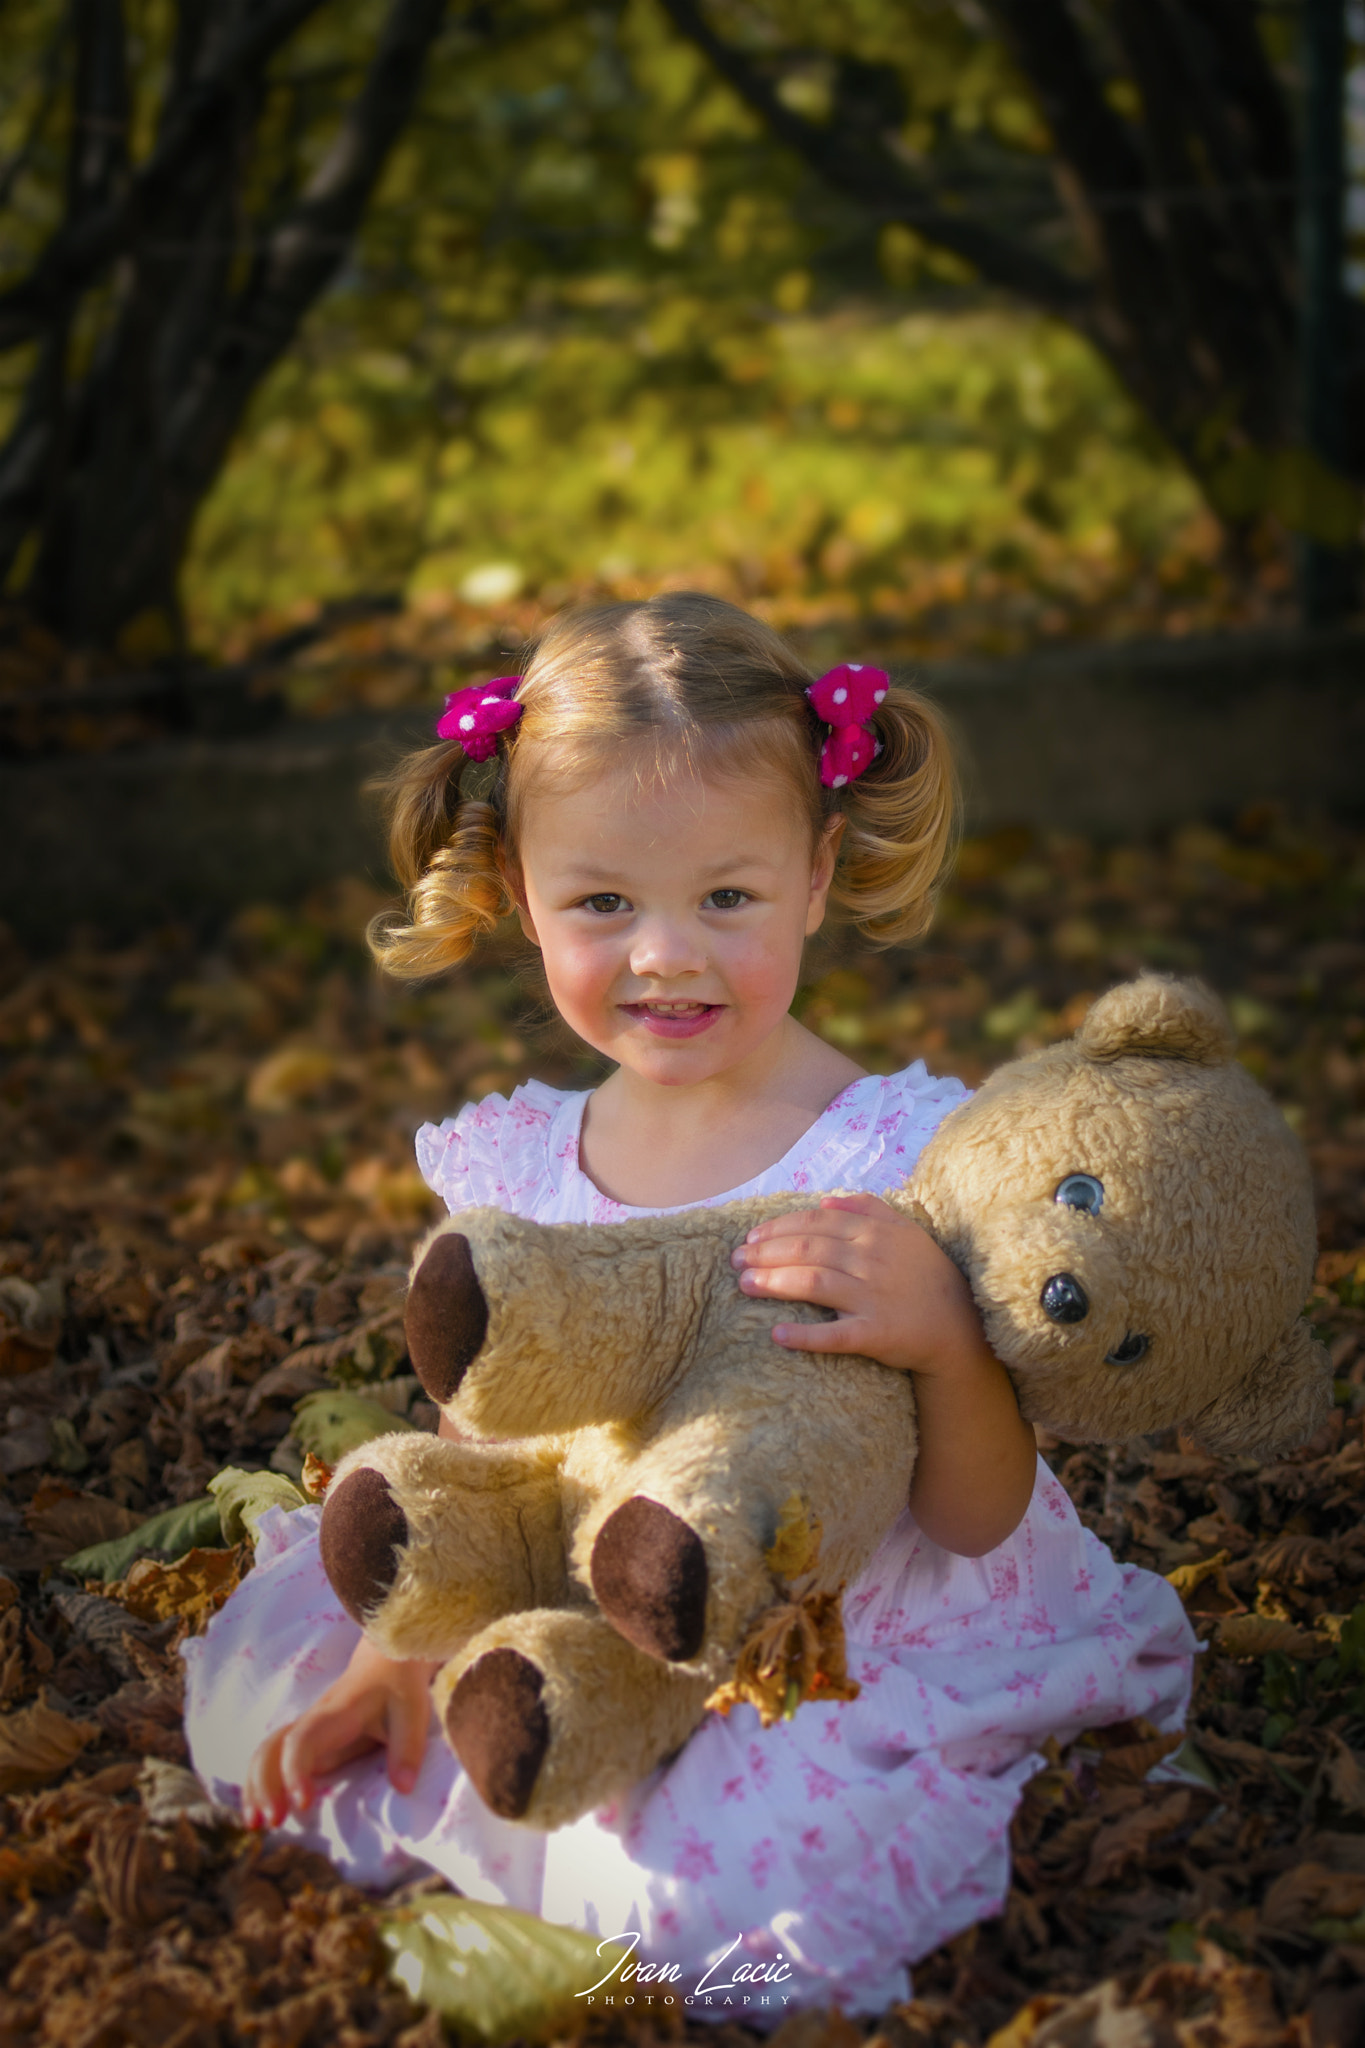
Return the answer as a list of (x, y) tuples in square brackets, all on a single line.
[(834, 1848)]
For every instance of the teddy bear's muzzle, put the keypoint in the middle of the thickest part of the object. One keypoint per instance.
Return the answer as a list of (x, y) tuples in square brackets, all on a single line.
[(1050, 1285)]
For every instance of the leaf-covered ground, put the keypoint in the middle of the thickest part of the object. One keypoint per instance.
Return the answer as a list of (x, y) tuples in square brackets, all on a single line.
[(206, 1203)]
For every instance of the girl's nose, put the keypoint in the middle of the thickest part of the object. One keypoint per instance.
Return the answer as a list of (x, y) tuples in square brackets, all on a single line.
[(664, 948)]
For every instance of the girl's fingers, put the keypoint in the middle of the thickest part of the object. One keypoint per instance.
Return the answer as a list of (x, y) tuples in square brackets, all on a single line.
[(296, 1775), (841, 1223), (408, 1722), (317, 1744), (839, 1215), (263, 1796), (818, 1251), (823, 1286), (788, 1251), (850, 1333)]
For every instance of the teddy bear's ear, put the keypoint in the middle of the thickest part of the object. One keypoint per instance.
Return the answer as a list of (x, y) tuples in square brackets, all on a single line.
[(1278, 1406), (1161, 1017)]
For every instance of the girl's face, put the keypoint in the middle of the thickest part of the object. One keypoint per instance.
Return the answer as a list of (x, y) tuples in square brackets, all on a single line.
[(671, 918)]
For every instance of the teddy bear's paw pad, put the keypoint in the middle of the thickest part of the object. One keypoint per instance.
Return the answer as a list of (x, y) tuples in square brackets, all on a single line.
[(497, 1725), (363, 1534), (446, 1317), (649, 1578)]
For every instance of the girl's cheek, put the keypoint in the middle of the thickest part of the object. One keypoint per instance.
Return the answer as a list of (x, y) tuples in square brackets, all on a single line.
[(768, 965)]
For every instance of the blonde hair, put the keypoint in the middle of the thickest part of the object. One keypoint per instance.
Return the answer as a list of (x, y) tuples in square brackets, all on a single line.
[(716, 692)]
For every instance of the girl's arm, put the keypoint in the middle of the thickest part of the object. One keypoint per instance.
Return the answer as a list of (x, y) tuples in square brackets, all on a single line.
[(377, 1703), (902, 1301)]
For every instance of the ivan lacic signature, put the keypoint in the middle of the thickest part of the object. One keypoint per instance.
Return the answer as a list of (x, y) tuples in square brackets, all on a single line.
[(629, 1983)]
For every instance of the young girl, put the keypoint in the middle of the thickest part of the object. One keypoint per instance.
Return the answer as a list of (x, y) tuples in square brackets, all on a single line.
[(670, 803)]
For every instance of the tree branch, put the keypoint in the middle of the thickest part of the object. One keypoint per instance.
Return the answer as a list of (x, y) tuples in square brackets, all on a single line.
[(168, 390), (98, 156), (309, 244), (1090, 137), (1252, 157), (79, 249), (1219, 267), (47, 99), (26, 458), (1272, 154), (862, 166)]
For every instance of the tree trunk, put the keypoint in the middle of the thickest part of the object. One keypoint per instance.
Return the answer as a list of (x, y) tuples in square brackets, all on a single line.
[(105, 469)]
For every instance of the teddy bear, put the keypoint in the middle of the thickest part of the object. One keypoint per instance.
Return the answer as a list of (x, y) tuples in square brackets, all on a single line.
[(644, 1480)]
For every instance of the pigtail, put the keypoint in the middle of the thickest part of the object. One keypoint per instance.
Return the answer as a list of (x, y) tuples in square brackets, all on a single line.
[(445, 851), (901, 823)]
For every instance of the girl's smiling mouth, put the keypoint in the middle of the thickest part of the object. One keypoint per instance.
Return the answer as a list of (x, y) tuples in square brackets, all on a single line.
[(678, 1018)]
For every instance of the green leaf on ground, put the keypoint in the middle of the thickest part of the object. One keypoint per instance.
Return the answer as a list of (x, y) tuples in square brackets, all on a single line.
[(494, 1973), (332, 1422), (243, 1498), (193, 1526)]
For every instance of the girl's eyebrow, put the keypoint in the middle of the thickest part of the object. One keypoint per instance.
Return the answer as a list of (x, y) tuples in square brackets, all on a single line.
[(591, 871)]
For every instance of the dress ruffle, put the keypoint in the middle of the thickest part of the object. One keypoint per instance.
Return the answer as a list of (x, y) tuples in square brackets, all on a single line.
[(521, 1152)]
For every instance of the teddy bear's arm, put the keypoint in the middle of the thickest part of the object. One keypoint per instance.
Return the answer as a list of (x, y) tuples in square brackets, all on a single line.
[(543, 1328)]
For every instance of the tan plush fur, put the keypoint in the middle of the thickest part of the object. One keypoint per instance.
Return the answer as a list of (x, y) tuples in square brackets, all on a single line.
[(615, 1712), (627, 1364), (1204, 1243)]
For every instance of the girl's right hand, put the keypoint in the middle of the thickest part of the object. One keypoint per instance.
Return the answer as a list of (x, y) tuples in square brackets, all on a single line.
[(376, 1703)]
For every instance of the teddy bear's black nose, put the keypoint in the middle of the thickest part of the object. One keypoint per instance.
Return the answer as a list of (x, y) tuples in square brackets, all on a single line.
[(1064, 1299)]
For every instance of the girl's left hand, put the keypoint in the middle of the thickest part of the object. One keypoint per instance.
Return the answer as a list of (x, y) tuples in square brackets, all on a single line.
[(899, 1299), (902, 1301)]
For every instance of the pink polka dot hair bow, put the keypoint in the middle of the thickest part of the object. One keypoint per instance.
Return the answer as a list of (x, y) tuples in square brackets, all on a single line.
[(846, 698), (476, 717)]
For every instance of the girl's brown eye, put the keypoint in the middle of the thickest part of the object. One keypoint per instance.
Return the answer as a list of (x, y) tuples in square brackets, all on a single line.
[(605, 903), (726, 899)]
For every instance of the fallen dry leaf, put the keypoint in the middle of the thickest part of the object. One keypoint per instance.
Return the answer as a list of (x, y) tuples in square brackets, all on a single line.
[(73, 1523), (1252, 1635), (1125, 1841), (1343, 1776), (1187, 1578), (1311, 1892), (37, 1743), (316, 1478), (189, 1589)]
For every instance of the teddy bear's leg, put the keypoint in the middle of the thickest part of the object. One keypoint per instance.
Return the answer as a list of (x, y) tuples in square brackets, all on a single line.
[(552, 1713), (673, 1552), (673, 1574), (424, 1541)]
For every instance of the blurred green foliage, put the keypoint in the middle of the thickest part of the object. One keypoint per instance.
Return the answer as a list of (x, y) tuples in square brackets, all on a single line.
[(847, 465), (599, 333)]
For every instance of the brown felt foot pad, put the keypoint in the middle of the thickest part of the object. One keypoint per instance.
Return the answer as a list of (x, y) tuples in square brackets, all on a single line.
[(362, 1535), (446, 1317), (497, 1725), (649, 1579)]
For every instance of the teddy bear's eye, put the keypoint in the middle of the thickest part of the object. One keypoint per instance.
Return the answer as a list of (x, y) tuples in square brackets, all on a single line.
[(1133, 1347), (1081, 1191), (1064, 1300)]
